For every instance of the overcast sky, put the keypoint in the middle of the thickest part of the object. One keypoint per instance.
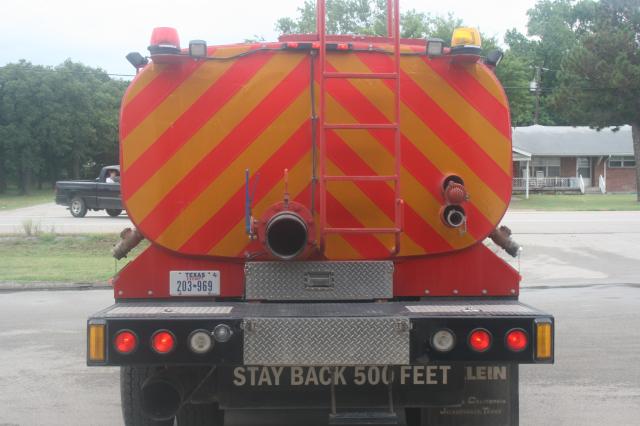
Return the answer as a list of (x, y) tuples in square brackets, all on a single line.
[(102, 33)]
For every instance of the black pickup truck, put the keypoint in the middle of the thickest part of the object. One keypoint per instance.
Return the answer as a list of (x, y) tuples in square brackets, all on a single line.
[(103, 193)]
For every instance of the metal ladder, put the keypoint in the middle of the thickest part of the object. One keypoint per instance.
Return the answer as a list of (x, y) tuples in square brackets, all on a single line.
[(393, 35)]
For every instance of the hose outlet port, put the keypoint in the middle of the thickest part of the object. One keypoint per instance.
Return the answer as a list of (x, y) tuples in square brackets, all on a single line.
[(286, 231), (454, 216)]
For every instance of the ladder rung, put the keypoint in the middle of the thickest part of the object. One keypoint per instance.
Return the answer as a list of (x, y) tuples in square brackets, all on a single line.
[(347, 178), (362, 231), (360, 126), (370, 75)]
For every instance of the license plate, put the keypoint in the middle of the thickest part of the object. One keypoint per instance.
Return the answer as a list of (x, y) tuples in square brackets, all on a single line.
[(194, 283)]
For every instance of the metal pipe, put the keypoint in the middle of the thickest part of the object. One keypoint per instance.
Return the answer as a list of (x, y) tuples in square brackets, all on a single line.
[(502, 237), (286, 235), (162, 396), (314, 133), (129, 239)]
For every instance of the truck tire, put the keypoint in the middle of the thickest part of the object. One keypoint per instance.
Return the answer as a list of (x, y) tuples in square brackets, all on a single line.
[(200, 415), (131, 379), (114, 212), (78, 207)]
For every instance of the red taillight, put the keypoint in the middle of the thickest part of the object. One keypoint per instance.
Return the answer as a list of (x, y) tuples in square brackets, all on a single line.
[(293, 45), (517, 340), (125, 342), (165, 36), (163, 342), (480, 340), (343, 46)]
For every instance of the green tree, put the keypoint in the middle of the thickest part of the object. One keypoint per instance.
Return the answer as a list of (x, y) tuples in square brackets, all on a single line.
[(514, 73), (551, 34), (367, 17), (600, 77), (23, 96), (56, 122)]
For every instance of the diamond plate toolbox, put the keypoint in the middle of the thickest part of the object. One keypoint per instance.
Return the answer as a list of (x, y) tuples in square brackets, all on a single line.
[(326, 341), (319, 280)]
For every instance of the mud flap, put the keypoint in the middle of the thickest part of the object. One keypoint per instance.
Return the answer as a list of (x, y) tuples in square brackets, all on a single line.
[(490, 398)]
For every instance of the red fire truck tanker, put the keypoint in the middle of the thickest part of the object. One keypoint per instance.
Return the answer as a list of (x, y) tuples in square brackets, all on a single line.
[(316, 209)]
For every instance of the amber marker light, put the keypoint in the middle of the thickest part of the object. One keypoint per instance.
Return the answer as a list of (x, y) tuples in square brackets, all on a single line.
[(544, 340), (96, 342)]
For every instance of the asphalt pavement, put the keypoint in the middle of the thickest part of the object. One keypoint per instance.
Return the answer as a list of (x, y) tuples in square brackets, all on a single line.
[(583, 267), (595, 381)]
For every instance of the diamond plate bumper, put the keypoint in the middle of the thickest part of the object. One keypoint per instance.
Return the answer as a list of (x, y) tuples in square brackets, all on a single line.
[(284, 281), (326, 341), (320, 334)]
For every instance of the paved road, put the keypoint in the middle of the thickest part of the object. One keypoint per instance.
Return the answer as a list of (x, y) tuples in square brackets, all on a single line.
[(53, 218), (575, 248), (595, 381)]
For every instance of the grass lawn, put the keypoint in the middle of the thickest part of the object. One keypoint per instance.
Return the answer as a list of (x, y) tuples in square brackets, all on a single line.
[(592, 202), (13, 200), (68, 258)]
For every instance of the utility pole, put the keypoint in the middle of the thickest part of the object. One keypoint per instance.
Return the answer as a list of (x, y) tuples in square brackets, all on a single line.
[(535, 87)]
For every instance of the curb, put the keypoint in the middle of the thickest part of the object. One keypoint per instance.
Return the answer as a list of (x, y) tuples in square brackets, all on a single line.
[(51, 286)]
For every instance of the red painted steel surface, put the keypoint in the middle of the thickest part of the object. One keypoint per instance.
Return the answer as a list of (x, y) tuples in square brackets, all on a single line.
[(147, 277), (476, 271)]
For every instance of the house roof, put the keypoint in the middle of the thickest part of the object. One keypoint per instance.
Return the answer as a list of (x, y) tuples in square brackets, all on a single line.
[(565, 141)]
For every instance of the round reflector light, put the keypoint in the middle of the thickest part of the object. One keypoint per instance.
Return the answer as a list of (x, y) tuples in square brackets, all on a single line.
[(200, 341), (443, 341), (222, 333), (125, 342), (163, 341), (480, 340), (517, 340)]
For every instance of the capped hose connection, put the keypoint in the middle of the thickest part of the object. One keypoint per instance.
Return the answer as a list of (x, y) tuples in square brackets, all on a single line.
[(454, 191), (454, 216), (502, 237)]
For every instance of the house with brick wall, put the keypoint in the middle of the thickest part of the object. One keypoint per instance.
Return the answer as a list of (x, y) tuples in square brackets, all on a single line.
[(558, 158)]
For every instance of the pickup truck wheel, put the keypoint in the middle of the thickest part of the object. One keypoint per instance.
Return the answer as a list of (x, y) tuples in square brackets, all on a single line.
[(131, 379), (114, 212), (78, 208), (200, 415)]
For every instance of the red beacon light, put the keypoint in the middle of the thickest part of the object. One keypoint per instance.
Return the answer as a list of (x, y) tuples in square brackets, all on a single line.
[(164, 40)]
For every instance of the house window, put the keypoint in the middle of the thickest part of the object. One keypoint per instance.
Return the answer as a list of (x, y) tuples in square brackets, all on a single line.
[(584, 167), (546, 166), (619, 161)]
